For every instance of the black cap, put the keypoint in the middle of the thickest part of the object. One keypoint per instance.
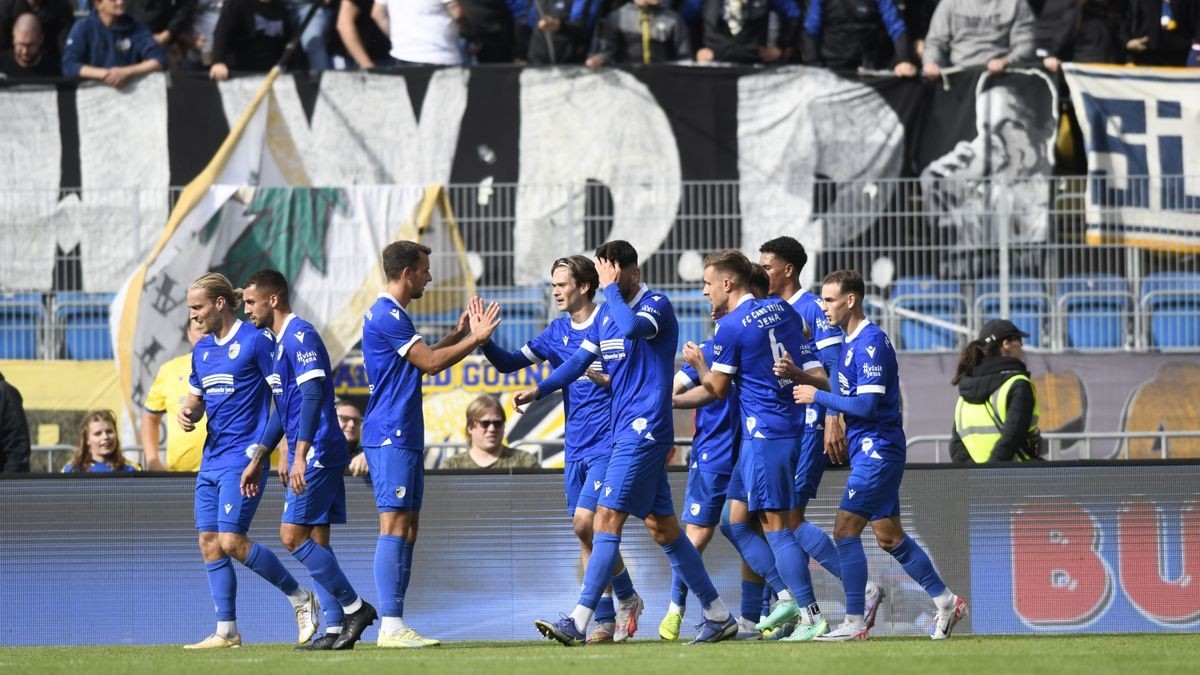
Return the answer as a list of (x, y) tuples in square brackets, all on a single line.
[(998, 330)]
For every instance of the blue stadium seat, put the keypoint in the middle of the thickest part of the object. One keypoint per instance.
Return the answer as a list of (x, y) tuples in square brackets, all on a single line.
[(1028, 304), (937, 299), (1096, 308), (694, 313), (21, 320), (1171, 302), (83, 318), (524, 311)]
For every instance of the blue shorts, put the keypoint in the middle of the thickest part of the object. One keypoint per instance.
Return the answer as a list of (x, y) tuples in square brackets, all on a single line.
[(767, 467), (705, 498), (323, 501), (636, 480), (398, 476), (582, 480), (873, 488), (810, 466), (220, 506)]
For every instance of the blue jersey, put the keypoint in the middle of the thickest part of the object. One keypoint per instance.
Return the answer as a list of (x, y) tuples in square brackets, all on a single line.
[(868, 366), (231, 376), (824, 340), (586, 404), (394, 417), (746, 344), (300, 356), (714, 445)]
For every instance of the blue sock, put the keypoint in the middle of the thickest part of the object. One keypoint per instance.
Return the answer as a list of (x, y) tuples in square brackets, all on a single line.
[(854, 573), (756, 553), (820, 547), (917, 564), (266, 564), (606, 611), (752, 600), (222, 583), (605, 549), (331, 609), (622, 585), (406, 567), (325, 571), (678, 591), (387, 575), (792, 565), (686, 562)]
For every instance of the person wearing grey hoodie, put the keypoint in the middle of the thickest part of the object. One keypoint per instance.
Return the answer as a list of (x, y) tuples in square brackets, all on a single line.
[(971, 33)]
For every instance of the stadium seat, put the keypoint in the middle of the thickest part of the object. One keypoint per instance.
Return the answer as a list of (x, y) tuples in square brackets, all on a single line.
[(694, 313), (933, 298), (523, 309), (1171, 303), (1028, 304), (1096, 309), (21, 321), (83, 319)]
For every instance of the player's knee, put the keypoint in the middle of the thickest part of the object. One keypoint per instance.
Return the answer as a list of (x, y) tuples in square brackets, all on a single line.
[(583, 530), (234, 544), (291, 540), (210, 546), (888, 541)]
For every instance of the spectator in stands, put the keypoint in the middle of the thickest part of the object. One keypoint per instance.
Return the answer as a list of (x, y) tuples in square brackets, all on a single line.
[(996, 417), (423, 32), (27, 58), (737, 31), (642, 31), (54, 16), (250, 36), (1164, 33), (845, 35), (314, 39), (971, 33), (562, 30), (111, 46), (485, 431), (200, 36), (350, 419), (359, 41), (99, 449), (1083, 31), (496, 31), (917, 14), (168, 21), (167, 395), (14, 430)]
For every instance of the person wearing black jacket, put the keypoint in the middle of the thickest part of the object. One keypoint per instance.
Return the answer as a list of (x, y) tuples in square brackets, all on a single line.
[(736, 31), (496, 31), (846, 35), (56, 17), (995, 419), (14, 430), (1082, 31), (250, 36), (166, 19), (562, 30)]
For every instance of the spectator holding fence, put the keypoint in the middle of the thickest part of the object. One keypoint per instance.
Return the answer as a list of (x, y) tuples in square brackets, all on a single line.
[(738, 31), (1083, 31), (486, 450), (972, 33), (99, 448), (845, 35), (423, 32), (250, 36), (111, 46)]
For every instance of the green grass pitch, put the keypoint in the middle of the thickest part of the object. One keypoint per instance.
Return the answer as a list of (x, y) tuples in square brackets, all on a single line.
[(962, 655)]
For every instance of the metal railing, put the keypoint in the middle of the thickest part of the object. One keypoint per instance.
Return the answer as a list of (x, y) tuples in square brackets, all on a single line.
[(1057, 443)]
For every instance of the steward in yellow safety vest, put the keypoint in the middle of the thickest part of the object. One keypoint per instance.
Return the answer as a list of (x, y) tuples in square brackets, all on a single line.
[(996, 416)]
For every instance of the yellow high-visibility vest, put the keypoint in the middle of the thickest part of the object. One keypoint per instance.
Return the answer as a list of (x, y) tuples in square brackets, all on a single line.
[(979, 424)]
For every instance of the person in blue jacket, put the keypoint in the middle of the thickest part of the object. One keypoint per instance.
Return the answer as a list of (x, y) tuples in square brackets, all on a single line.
[(110, 46)]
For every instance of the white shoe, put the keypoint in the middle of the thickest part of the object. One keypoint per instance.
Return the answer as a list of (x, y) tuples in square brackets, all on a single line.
[(846, 631), (307, 618), (874, 596), (746, 630), (215, 641), (948, 618), (628, 612)]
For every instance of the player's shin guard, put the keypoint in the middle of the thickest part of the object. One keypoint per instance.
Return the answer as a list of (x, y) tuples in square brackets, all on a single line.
[(387, 575), (917, 564), (854, 573), (222, 583), (756, 553), (792, 564), (266, 564), (819, 547), (325, 570), (605, 549)]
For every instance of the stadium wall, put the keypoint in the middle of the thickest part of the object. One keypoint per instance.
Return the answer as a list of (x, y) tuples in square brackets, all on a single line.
[(1048, 549)]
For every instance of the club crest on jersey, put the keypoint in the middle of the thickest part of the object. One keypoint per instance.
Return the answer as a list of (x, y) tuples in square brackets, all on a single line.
[(694, 509), (299, 336), (234, 350), (401, 491), (871, 351), (639, 425), (849, 355)]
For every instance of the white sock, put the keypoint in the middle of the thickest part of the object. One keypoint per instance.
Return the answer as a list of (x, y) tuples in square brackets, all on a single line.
[(810, 615), (717, 611), (333, 630), (298, 597), (227, 629), (945, 600), (353, 607), (582, 615), (785, 595), (856, 620), (675, 608), (391, 625)]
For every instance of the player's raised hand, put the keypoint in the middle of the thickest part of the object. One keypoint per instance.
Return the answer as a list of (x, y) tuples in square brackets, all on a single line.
[(524, 397), (804, 393), (608, 271), (484, 320), (693, 355)]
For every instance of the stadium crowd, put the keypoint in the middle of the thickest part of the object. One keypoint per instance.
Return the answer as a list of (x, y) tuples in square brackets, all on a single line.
[(113, 40)]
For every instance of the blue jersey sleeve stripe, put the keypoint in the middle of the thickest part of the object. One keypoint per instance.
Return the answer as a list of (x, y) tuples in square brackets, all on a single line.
[(529, 354), (682, 380), (809, 365), (871, 389), (194, 391), (403, 350), (651, 319), (829, 342), (590, 346), (725, 368), (310, 375)]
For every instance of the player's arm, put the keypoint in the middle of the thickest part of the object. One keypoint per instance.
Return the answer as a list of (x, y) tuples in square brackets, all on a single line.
[(310, 417), (632, 325), (571, 369), (462, 328), (510, 362), (192, 410), (482, 321), (811, 373), (270, 437), (717, 380), (688, 394)]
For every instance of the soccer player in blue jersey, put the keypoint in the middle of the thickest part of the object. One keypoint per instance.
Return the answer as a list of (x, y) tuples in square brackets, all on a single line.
[(317, 455), (636, 334), (784, 258), (230, 366), (588, 440), (393, 434), (748, 341), (869, 398)]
